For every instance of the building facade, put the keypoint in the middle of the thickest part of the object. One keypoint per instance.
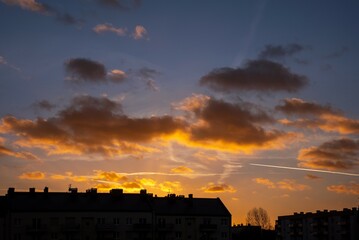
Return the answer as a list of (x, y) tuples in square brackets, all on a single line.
[(321, 225), (116, 215)]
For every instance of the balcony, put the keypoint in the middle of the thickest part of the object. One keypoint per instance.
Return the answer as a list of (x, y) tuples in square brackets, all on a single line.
[(70, 227), (165, 227)]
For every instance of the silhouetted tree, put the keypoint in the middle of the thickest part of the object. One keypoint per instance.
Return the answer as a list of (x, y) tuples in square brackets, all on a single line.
[(259, 217)]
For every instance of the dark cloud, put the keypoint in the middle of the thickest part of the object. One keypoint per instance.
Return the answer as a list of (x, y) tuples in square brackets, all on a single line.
[(256, 75), (147, 75), (31, 5), (68, 19), (121, 4), (339, 154), (338, 53), (44, 105), (4, 151), (296, 106), (91, 125), (87, 70), (232, 123), (217, 188), (280, 51)]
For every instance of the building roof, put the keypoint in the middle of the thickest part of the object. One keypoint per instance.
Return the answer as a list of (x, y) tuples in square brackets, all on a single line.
[(116, 200), (175, 205)]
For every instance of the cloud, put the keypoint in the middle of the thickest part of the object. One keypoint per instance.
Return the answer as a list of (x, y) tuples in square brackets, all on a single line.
[(44, 104), (319, 116), (117, 75), (229, 126), (256, 75), (338, 53), (280, 51), (91, 125), (121, 4), (4, 151), (291, 185), (37, 175), (350, 188), (336, 154), (170, 186), (31, 5), (139, 32), (265, 181), (286, 184), (312, 177), (296, 106), (4, 62), (107, 27), (85, 70), (218, 188), (109, 176), (182, 169), (147, 75)]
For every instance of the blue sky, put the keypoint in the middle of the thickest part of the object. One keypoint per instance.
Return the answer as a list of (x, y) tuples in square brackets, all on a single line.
[(195, 92)]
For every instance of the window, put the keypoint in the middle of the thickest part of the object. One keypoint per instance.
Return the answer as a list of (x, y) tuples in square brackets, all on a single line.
[(161, 221), (128, 221), (17, 221), (100, 220), (116, 221), (178, 221), (178, 235), (206, 221), (142, 220), (224, 221)]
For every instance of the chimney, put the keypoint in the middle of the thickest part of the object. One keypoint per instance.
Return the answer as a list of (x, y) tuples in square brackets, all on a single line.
[(46, 190), (143, 191), (190, 196), (32, 190), (11, 190)]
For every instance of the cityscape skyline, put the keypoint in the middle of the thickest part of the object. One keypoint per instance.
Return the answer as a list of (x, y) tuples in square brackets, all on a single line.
[(254, 102)]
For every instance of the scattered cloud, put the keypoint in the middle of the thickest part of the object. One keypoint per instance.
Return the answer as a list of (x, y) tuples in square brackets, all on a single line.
[(37, 175), (182, 169), (312, 177), (121, 4), (256, 75), (170, 186), (31, 5), (85, 70), (338, 53), (117, 75), (4, 62), (147, 75), (140, 32), (4, 151), (286, 184), (107, 27), (218, 188), (109, 176), (291, 185), (44, 105), (314, 115), (265, 181), (336, 154), (280, 51), (350, 188)]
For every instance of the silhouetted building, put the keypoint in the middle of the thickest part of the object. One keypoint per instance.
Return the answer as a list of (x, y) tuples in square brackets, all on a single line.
[(328, 225), (115, 215), (249, 232)]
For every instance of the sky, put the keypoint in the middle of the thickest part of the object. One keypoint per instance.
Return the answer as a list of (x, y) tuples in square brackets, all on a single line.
[(254, 102)]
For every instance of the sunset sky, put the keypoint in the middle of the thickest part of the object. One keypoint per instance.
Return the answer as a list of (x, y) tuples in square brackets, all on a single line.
[(255, 102)]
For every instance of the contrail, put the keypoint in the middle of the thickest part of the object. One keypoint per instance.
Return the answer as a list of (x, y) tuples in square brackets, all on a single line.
[(305, 169)]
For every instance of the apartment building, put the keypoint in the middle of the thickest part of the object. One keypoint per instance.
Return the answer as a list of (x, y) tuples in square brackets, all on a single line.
[(320, 225), (115, 215)]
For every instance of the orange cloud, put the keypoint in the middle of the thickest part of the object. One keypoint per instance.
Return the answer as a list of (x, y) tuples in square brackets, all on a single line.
[(37, 175), (107, 27), (286, 184), (217, 188), (109, 176), (4, 151), (31, 5), (139, 32), (351, 188), (336, 154), (265, 181), (291, 185), (319, 116), (182, 169), (169, 186), (70, 176)]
